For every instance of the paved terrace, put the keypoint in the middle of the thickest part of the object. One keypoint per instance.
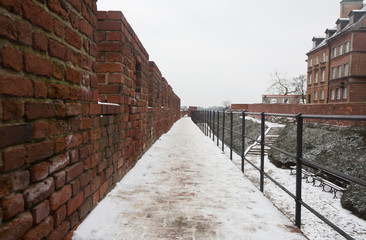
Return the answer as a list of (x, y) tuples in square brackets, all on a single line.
[(185, 188)]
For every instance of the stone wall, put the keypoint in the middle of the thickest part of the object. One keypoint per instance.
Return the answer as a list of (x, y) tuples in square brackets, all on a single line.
[(79, 104)]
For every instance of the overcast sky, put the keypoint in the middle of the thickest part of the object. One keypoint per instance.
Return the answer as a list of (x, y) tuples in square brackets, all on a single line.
[(216, 50)]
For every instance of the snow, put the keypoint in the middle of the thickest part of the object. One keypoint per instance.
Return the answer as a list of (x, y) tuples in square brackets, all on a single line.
[(323, 202), (185, 188)]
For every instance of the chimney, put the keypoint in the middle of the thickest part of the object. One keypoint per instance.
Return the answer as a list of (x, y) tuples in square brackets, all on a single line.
[(348, 5)]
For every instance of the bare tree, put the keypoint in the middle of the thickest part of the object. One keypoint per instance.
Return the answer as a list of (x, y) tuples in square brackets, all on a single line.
[(227, 104), (280, 84)]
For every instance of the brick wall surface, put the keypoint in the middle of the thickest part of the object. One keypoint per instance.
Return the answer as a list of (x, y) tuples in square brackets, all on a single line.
[(60, 150)]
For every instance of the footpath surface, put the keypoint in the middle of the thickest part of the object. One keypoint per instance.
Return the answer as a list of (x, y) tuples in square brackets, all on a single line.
[(185, 188)]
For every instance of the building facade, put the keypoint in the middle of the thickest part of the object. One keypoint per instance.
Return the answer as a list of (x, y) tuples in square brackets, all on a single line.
[(336, 71)]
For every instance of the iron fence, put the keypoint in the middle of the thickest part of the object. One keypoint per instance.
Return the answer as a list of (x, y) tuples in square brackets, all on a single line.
[(208, 120)]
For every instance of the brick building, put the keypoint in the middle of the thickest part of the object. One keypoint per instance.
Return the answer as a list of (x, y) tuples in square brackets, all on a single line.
[(336, 71)]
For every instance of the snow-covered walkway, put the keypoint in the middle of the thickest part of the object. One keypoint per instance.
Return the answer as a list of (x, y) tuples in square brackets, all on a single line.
[(184, 188)]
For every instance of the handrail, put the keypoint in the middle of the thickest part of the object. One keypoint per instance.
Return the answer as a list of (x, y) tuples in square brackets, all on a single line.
[(208, 118)]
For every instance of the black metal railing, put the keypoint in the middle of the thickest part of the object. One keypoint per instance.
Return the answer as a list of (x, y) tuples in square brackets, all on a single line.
[(206, 121)]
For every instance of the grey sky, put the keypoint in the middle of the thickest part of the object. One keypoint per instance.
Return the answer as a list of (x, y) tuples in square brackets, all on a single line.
[(215, 50)]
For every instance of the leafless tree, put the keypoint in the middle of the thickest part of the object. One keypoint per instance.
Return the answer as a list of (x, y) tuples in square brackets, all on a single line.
[(280, 84), (227, 104)]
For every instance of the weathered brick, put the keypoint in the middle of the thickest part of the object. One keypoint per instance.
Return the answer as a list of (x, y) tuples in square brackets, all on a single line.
[(73, 38), (85, 208), (13, 159), (38, 192), (58, 163), (58, 91), (15, 134), (40, 231), (74, 203), (74, 171), (19, 180), (75, 186), (37, 65), (12, 206), (36, 15), (59, 232), (12, 110), (110, 26), (110, 47), (12, 58), (60, 197), (16, 30), (38, 171), (60, 179), (86, 151), (58, 28), (40, 41), (37, 151), (56, 7), (15, 86), (60, 215), (85, 28), (40, 89), (11, 5), (59, 145), (37, 110), (73, 109), (57, 70), (40, 211), (72, 75), (58, 50), (16, 228)]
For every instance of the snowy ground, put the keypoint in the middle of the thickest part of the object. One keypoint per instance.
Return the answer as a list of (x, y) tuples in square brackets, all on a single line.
[(185, 188), (312, 226)]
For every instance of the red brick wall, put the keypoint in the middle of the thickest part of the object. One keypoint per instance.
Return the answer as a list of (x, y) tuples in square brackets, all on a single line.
[(60, 151)]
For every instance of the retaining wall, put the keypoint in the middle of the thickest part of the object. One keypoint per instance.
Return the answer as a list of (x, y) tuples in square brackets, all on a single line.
[(79, 104)]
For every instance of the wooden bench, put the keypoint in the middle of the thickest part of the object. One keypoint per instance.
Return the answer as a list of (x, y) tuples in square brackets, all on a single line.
[(333, 188)]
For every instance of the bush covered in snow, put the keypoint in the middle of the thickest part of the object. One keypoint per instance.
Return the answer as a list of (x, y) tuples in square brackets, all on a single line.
[(340, 148)]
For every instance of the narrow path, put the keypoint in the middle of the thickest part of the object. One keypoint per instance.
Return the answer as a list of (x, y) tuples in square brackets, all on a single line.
[(184, 188)]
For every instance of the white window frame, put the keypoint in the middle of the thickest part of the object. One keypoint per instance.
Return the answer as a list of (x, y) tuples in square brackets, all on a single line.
[(323, 76), (322, 95), (323, 57), (334, 72), (338, 94), (334, 52), (339, 70), (346, 69), (340, 50), (316, 60), (316, 96), (310, 77), (346, 47), (310, 62), (316, 77), (332, 94), (345, 93)]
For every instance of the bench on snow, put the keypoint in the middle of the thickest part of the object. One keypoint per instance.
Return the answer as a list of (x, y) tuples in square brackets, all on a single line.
[(328, 186), (308, 176)]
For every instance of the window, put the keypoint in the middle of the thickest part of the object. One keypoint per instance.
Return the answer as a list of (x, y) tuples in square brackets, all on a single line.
[(344, 93), (333, 73), (322, 95), (310, 76), (340, 50), (333, 94), (323, 75), (334, 52), (323, 57), (346, 47), (346, 69), (339, 71), (338, 93), (316, 77), (316, 60), (310, 62), (315, 95)]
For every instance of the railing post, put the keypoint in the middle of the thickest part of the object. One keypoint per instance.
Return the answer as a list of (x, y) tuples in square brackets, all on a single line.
[(209, 122), (206, 129), (218, 127), (242, 140), (213, 126), (231, 135), (223, 130), (298, 170), (262, 152)]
